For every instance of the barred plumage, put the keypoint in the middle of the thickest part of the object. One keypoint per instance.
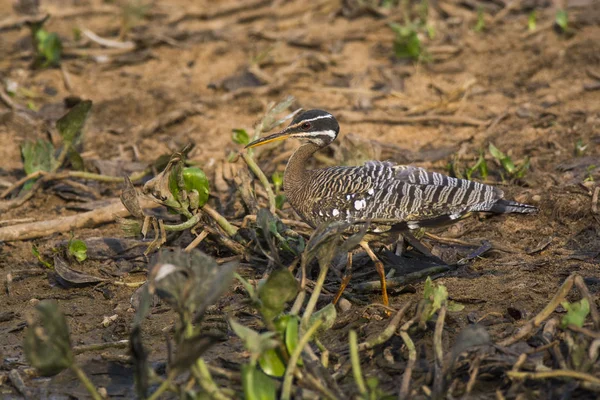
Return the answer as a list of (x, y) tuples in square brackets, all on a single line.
[(389, 195)]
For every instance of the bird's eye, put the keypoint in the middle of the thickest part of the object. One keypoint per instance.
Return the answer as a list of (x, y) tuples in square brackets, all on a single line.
[(305, 126)]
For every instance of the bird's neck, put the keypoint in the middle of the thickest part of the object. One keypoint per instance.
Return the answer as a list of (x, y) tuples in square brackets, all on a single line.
[(296, 174)]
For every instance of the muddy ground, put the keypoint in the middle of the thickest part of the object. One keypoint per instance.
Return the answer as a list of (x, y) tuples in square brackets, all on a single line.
[(200, 69)]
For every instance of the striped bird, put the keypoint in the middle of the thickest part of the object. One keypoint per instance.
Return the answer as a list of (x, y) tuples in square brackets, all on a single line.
[(393, 197)]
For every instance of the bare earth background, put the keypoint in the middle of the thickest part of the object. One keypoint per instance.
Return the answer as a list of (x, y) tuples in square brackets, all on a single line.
[(218, 66)]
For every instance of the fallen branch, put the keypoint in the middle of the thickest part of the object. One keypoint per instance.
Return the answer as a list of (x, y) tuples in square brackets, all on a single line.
[(33, 230)]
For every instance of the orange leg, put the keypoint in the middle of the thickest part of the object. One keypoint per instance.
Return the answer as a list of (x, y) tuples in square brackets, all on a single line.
[(380, 271), (345, 279)]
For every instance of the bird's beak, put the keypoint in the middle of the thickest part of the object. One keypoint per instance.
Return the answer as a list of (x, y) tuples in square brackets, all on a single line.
[(282, 135)]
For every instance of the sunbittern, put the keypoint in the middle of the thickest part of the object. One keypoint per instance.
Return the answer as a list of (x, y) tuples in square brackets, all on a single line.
[(394, 197)]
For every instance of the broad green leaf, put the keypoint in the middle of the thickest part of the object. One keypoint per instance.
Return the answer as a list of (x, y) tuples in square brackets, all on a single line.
[(495, 152), (240, 136), (271, 363), (291, 335), (37, 156), (78, 249), (576, 313), (454, 306), (328, 314), (279, 288), (70, 125), (256, 343), (47, 342), (195, 180), (49, 47), (257, 385)]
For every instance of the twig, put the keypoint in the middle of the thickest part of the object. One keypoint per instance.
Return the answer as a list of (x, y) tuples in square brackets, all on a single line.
[(438, 380), (88, 219), (100, 346), (401, 280), (387, 333), (355, 360), (293, 361), (412, 358), (473, 376), (262, 178), (556, 373), (163, 387), (583, 289), (197, 240), (314, 297), (115, 44), (545, 313)]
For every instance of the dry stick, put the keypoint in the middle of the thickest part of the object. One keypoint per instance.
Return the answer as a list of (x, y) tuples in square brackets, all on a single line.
[(39, 229), (412, 358), (583, 289), (100, 346), (473, 376), (438, 381), (545, 313), (387, 333), (196, 241), (556, 373), (262, 178), (293, 361), (314, 297)]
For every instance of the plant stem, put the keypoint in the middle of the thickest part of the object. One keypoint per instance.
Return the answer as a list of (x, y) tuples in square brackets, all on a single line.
[(86, 382), (262, 178), (206, 381), (387, 333), (221, 220), (161, 389), (314, 297), (355, 359), (190, 223), (293, 361)]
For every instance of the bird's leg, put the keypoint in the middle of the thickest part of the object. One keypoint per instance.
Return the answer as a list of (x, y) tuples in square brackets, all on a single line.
[(380, 271), (345, 279)]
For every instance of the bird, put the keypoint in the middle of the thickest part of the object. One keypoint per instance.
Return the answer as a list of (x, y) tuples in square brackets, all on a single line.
[(391, 197)]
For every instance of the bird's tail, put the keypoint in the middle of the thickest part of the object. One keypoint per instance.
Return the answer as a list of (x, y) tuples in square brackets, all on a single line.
[(503, 206)]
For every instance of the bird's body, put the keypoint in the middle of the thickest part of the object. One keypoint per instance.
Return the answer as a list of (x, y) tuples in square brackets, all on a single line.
[(386, 194)]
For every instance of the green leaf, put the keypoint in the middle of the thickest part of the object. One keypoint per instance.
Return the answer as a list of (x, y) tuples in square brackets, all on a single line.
[(195, 180), (495, 152), (434, 296), (256, 343), (532, 21), (576, 313), (49, 47), (37, 156), (279, 288), (328, 314), (78, 249), (562, 20), (240, 136), (277, 178), (521, 171), (271, 363), (280, 200), (37, 253), (70, 126), (291, 335), (480, 25), (47, 342), (454, 306), (257, 385), (406, 42)]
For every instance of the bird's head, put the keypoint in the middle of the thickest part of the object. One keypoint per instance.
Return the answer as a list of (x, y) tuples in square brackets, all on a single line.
[(315, 126)]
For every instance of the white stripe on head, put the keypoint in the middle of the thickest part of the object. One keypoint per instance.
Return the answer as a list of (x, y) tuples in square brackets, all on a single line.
[(328, 132), (317, 118)]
